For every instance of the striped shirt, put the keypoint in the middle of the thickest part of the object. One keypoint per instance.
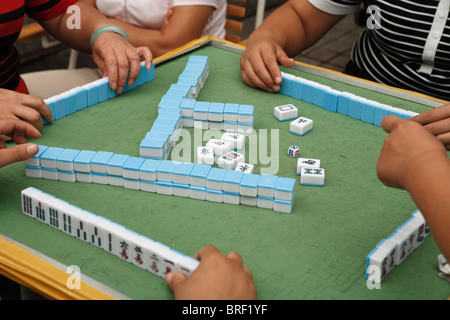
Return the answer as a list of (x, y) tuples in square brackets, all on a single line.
[(406, 43), (12, 16)]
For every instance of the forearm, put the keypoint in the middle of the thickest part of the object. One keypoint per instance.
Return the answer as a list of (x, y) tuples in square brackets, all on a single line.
[(153, 39), (90, 20), (295, 26), (429, 186), (283, 27)]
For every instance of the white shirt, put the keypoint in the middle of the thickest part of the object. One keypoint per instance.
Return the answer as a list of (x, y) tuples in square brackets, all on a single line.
[(150, 13)]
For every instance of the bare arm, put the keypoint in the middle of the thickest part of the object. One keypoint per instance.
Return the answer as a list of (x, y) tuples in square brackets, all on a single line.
[(290, 29), (186, 23), (115, 57), (415, 160)]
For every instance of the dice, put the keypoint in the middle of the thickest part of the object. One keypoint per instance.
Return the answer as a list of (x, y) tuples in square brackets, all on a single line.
[(293, 151)]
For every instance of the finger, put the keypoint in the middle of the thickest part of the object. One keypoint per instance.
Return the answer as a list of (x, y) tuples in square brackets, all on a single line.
[(37, 104), (247, 80), (257, 82), (250, 274), (101, 65), (260, 67), (205, 251), (433, 115), (271, 63), (146, 54), (173, 279), (235, 257), (17, 153), (390, 122), (4, 138), (134, 66), (439, 127), (284, 60), (122, 68), (445, 139), (12, 127)]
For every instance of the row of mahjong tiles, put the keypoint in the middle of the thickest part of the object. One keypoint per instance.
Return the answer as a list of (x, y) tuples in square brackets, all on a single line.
[(105, 234)]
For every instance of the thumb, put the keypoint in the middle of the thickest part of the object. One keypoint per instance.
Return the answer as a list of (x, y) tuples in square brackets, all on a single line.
[(174, 278), (389, 123), (284, 59), (17, 153)]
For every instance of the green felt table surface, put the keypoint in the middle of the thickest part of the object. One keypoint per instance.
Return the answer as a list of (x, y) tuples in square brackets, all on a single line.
[(316, 252)]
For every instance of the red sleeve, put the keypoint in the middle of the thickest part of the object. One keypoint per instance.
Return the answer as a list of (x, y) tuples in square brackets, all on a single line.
[(42, 10)]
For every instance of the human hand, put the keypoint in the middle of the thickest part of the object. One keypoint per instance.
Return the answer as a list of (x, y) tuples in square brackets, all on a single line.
[(118, 59), (407, 148), (14, 105), (259, 64), (437, 121), (217, 277), (17, 129)]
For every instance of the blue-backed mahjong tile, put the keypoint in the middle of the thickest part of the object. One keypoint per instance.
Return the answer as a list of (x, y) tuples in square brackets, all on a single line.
[(250, 180), (184, 168), (66, 158), (368, 111), (217, 174), (319, 94), (103, 89), (344, 102), (51, 104), (380, 112), (166, 166), (133, 163), (330, 101), (268, 181), (60, 107), (355, 107), (246, 109), (230, 111), (297, 88), (92, 95), (285, 86), (169, 103), (51, 153), (35, 161), (118, 160), (284, 188), (309, 89), (150, 166), (199, 173), (101, 158), (84, 157), (202, 106), (81, 98), (396, 112), (216, 107), (149, 74), (179, 90), (153, 143), (233, 176)]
